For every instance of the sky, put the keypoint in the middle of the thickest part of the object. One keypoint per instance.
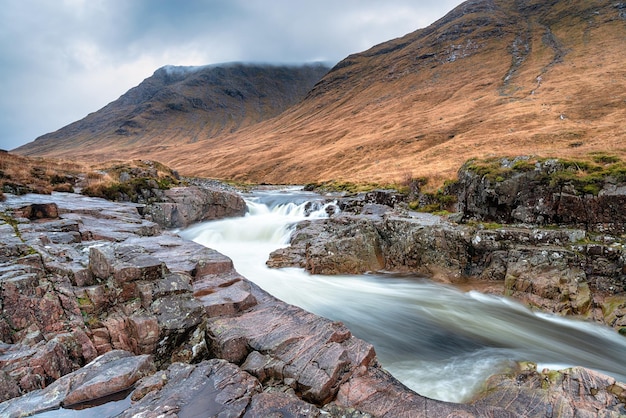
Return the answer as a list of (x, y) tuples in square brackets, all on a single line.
[(63, 59)]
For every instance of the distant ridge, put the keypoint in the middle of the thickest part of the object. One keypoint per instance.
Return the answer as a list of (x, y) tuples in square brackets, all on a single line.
[(491, 78), (179, 105)]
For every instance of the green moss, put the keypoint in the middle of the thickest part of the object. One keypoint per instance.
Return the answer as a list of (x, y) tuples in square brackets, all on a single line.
[(485, 225), (622, 331), (585, 176), (441, 212), (10, 220), (603, 158), (335, 186), (550, 378), (591, 188), (491, 168), (524, 165), (440, 202)]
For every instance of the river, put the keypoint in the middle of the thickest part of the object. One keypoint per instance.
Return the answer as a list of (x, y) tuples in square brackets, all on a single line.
[(438, 340)]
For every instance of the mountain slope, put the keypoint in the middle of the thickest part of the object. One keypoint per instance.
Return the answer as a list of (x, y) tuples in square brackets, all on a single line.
[(493, 77), (490, 78), (178, 105)]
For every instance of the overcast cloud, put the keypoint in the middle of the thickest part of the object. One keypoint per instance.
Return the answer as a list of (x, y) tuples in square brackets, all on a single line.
[(63, 59)]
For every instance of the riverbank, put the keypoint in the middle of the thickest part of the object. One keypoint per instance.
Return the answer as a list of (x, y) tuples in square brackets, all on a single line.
[(549, 233), (96, 299)]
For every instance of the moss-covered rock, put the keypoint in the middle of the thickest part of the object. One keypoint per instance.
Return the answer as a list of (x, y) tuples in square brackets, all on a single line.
[(587, 193)]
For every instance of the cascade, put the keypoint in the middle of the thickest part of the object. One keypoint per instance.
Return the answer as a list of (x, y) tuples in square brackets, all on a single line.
[(439, 341)]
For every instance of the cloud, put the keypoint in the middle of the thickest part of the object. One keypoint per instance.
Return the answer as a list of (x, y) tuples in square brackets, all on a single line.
[(60, 60)]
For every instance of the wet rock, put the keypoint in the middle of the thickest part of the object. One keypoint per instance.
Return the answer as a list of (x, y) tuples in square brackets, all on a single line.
[(340, 245), (223, 295), (280, 405), (378, 201), (113, 372), (183, 206), (116, 293), (184, 256), (570, 392), (124, 263), (548, 278), (316, 353), (8, 387), (376, 392), (122, 284), (553, 269), (38, 211), (539, 195), (211, 388), (13, 246), (110, 373)]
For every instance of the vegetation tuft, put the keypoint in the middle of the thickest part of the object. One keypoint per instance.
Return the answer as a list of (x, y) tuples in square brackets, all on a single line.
[(335, 186), (439, 202), (21, 175), (134, 181)]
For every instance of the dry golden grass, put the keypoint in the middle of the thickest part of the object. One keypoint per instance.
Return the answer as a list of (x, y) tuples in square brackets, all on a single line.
[(39, 175), (43, 175), (426, 103)]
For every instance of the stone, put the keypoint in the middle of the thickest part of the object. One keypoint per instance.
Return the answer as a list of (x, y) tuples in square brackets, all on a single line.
[(317, 353), (570, 392), (210, 388), (8, 387), (110, 373), (183, 206), (38, 211), (184, 256), (533, 197), (279, 404), (223, 297), (125, 263), (377, 393), (126, 285)]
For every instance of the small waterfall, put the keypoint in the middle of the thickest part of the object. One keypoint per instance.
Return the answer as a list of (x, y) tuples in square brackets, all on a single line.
[(439, 341)]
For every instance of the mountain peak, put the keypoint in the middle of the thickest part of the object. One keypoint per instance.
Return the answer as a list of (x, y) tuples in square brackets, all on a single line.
[(491, 78), (180, 104)]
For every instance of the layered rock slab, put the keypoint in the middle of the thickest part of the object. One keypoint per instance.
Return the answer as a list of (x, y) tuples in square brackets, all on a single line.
[(556, 269), (146, 292)]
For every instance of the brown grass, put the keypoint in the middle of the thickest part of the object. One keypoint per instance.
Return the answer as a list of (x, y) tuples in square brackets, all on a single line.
[(389, 113), (38, 175)]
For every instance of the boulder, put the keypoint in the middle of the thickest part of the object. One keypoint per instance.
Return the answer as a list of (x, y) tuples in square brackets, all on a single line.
[(543, 193), (341, 245), (116, 293), (110, 373), (317, 354), (183, 206)]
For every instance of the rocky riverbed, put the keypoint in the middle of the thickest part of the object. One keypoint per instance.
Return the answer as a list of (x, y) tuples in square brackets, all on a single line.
[(96, 299)]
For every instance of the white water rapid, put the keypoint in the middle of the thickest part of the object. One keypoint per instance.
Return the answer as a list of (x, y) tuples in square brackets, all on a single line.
[(439, 341)]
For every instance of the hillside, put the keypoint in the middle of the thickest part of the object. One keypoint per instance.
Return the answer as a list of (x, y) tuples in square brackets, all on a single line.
[(179, 105), (493, 77)]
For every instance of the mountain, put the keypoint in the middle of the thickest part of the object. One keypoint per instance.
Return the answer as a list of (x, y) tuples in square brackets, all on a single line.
[(491, 78), (179, 105)]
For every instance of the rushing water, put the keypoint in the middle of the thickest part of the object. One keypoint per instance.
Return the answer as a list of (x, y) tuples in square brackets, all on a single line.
[(441, 342)]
